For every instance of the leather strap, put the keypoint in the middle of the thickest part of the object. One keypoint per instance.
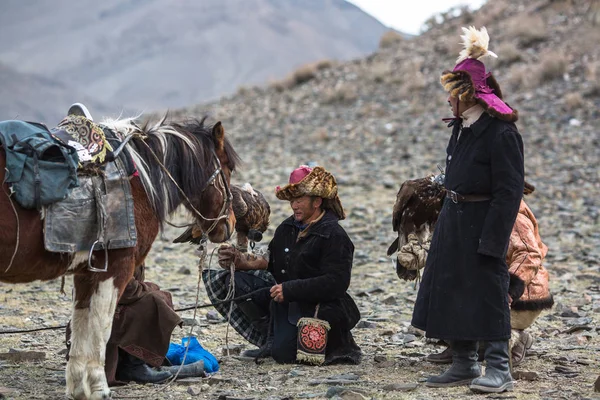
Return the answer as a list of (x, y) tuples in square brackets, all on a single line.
[(466, 198)]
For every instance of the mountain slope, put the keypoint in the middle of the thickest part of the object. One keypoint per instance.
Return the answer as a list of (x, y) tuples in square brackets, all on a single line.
[(159, 53)]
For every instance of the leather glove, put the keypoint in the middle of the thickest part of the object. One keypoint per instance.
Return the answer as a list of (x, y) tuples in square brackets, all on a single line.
[(413, 254), (228, 255)]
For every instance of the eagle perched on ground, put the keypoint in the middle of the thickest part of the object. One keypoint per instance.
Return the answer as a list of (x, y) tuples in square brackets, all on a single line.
[(252, 214), (418, 205)]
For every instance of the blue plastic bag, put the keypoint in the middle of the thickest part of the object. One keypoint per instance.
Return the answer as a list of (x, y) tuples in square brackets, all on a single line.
[(195, 353)]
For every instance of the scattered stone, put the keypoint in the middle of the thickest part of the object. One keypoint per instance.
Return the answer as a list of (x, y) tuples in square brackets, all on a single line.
[(184, 271), (380, 358), (5, 391), (597, 385), (526, 375), (214, 380), (566, 370), (342, 392), (569, 313), (23, 356), (232, 349), (212, 315), (387, 332), (400, 387), (294, 373), (190, 322), (391, 300), (194, 390), (342, 379), (362, 324), (578, 328), (386, 364), (415, 331), (310, 395), (409, 338)]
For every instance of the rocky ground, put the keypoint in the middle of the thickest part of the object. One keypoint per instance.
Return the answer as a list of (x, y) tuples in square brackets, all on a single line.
[(374, 123)]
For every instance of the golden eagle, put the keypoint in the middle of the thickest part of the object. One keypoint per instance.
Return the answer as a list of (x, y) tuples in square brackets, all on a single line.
[(252, 214), (418, 205)]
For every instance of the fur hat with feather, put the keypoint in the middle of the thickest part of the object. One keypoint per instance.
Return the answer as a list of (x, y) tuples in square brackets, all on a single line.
[(469, 81)]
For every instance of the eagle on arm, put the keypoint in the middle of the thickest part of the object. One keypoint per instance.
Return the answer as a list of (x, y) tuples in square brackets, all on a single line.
[(418, 205), (252, 212)]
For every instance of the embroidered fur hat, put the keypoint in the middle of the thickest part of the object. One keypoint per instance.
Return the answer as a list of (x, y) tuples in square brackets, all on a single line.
[(468, 81), (306, 181)]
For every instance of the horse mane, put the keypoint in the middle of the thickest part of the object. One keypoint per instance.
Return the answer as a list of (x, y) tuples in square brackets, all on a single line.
[(185, 150)]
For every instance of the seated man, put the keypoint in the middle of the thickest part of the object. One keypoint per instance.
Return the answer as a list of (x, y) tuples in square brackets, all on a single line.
[(310, 261)]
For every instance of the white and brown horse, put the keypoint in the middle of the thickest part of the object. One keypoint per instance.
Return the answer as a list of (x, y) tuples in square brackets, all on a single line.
[(186, 164)]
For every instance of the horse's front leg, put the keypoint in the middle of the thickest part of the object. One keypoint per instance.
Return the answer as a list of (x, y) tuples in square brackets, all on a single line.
[(95, 300)]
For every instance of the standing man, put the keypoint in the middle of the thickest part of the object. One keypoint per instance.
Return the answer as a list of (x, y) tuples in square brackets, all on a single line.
[(463, 297), (310, 260)]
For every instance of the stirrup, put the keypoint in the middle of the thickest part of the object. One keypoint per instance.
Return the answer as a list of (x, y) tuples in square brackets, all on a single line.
[(80, 110), (92, 268)]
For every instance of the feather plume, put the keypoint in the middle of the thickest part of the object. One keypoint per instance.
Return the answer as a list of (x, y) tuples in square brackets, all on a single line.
[(476, 44)]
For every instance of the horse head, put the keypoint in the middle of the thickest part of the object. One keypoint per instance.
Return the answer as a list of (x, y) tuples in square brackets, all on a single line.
[(214, 201), (189, 164)]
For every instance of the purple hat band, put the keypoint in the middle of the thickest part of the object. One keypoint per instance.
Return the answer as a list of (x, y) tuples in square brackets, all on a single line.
[(476, 70)]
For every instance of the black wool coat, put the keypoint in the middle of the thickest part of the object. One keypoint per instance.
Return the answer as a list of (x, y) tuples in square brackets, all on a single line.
[(464, 290), (316, 269)]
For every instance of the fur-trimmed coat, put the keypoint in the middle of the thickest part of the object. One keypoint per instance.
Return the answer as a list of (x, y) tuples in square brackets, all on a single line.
[(315, 268), (464, 290), (529, 288), (529, 280)]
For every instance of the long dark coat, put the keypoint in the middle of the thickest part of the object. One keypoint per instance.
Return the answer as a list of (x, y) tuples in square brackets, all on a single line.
[(464, 291), (316, 269)]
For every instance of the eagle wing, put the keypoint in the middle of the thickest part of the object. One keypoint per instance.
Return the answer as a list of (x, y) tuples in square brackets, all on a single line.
[(403, 198)]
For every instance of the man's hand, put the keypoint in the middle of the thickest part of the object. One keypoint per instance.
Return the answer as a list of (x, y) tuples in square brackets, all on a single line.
[(277, 293), (228, 255)]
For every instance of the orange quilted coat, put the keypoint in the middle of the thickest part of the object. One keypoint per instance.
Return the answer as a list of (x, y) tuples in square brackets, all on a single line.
[(528, 277)]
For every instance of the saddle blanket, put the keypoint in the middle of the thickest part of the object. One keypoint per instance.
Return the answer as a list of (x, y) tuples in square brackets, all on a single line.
[(100, 208)]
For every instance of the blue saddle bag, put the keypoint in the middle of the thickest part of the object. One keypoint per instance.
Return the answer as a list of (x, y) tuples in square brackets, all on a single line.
[(39, 169)]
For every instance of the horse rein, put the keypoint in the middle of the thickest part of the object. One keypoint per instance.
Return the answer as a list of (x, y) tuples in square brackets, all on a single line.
[(218, 172), (226, 194)]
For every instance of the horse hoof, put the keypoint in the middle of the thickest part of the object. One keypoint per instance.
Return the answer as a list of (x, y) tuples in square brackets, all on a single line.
[(101, 395)]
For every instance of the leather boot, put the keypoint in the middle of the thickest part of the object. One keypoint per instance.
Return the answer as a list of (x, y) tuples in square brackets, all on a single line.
[(464, 366), (131, 368), (262, 352), (519, 349), (192, 370), (444, 357), (497, 378)]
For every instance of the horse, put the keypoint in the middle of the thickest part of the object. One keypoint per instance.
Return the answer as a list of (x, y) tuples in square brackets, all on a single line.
[(187, 164)]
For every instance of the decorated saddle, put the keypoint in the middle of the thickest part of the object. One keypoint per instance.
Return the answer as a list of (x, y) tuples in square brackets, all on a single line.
[(73, 175)]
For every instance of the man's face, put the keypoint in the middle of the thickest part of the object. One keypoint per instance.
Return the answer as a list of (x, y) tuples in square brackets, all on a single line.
[(459, 107), (305, 208)]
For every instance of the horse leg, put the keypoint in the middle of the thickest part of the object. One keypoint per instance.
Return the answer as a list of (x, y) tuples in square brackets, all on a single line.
[(96, 295)]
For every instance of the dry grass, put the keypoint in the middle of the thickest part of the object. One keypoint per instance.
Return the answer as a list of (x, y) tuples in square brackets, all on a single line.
[(574, 101), (324, 64), (517, 77), (345, 93), (379, 72), (415, 79), (390, 39), (592, 71), (528, 29), (303, 74), (552, 65), (508, 54)]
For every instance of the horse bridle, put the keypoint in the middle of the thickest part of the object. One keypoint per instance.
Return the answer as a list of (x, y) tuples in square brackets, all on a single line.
[(226, 199)]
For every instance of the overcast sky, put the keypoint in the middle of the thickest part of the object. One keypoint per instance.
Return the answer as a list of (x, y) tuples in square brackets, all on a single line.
[(408, 15)]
